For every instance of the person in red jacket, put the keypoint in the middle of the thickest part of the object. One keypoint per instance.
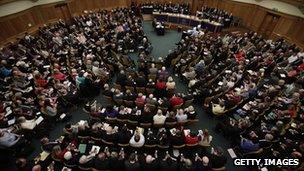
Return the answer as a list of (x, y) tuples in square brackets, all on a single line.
[(191, 139), (59, 75), (160, 87), (176, 100)]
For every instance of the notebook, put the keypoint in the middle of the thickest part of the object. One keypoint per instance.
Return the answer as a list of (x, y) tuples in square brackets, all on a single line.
[(11, 122), (231, 153), (95, 148), (82, 148), (39, 120), (44, 155)]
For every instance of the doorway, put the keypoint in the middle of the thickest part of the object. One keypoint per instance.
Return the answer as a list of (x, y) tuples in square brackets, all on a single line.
[(63, 11), (269, 23)]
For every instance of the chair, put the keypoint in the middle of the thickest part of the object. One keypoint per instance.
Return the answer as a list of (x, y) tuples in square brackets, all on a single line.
[(170, 92), (141, 90), (151, 106), (69, 166), (191, 121), (84, 168), (163, 109), (110, 120), (158, 125), (140, 105), (123, 145), (170, 124), (129, 103), (179, 146), (107, 142), (150, 146), (163, 146), (146, 125), (119, 102), (130, 88), (97, 140), (177, 107), (257, 152), (117, 86), (188, 103), (110, 99), (152, 77), (150, 90), (121, 121), (219, 169), (83, 138), (134, 123), (192, 145)]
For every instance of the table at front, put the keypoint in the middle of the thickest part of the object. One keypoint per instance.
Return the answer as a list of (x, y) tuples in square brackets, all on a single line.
[(187, 20)]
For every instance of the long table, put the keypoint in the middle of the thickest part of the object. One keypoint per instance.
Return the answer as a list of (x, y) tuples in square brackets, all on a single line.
[(188, 20)]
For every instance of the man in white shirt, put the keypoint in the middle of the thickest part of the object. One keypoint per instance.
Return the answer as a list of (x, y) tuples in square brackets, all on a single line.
[(159, 118)]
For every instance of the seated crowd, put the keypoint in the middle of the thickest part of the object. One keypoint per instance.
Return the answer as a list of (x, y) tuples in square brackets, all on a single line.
[(44, 75), (103, 146), (254, 86), (216, 15), (168, 7)]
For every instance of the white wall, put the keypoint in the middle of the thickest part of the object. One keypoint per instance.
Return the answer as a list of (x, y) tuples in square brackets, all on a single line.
[(17, 6), (281, 6)]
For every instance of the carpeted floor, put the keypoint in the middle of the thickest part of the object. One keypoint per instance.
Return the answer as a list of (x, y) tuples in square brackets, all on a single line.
[(161, 46)]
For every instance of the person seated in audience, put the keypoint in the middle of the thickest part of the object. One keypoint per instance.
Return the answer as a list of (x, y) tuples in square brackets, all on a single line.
[(151, 138), (27, 124), (160, 87), (129, 96), (116, 160), (181, 117), (189, 75), (176, 138), (170, 85), (101, 161), (87, 161), (107, 91), (176, 100), (204, 138), (217, 158), (48, 145), (186, 163), (163, 73), (190, 112), (123, 135), (150, 163), (159, 118), (132, 164), (191, 139), (146, 116), (49, 108), (202, 164), (171, 117), (10, 140), (151, 100), (109, 133), (162, 137), (168, 163), (137, 140), (140, 99), (153, 70), (150, 84), (140, 80), (111, 112), (218, 109), (248, 145)]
